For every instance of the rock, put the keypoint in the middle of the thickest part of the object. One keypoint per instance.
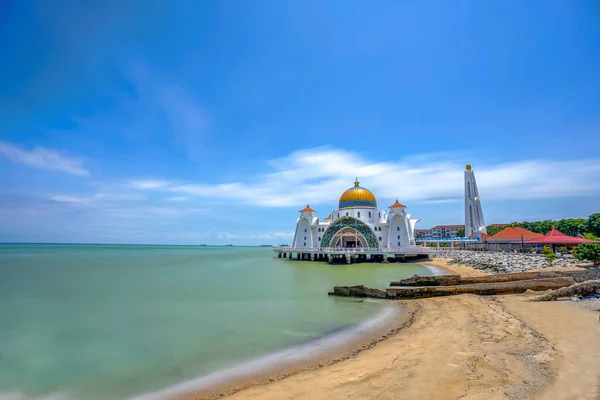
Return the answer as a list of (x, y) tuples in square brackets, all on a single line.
[(363, 291), (498, 262), (577, 290), (440, 280), (341, 291)]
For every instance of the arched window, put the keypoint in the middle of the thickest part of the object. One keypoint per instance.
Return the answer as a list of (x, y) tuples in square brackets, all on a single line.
[(398, 236), (304, 244), (338, 215), (379, 215), (398, 229), (380, 238), (304, 237), (346, 213), (369, 214), (398, 244), (305, 231), (359, 214), (319, 239), (379, 229)]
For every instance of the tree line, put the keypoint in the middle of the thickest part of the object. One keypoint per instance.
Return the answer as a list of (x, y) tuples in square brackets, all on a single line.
[(588, 227)]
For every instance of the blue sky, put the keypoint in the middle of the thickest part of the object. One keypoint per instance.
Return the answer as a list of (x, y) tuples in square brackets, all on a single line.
[(214, 122)]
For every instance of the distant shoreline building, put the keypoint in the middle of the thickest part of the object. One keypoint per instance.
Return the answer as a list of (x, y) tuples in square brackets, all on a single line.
[(439, 231)]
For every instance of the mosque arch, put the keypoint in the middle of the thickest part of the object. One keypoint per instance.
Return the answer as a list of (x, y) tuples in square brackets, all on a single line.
[(355, 224)]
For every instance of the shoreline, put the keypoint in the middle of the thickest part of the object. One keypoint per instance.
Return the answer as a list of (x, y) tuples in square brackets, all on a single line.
[(243, 375), (487, 347), (350, 351), (453, 269)]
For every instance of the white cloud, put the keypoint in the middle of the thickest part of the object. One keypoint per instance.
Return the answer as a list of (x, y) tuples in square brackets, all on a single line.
[(177, 198), (148, 184), (43, 158), (320, 175)]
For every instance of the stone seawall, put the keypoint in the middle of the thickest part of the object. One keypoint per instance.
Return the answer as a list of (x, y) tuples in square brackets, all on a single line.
[(502, 262), (435, 291)]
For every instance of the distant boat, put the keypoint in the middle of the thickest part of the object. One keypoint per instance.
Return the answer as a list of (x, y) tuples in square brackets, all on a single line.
[(266, 245), (201, 245), (228, 245)]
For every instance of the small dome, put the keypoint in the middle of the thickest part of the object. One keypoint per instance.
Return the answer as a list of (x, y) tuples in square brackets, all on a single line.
[(358, 197)]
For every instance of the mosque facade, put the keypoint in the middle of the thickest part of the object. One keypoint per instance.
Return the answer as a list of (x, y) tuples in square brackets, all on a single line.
[(357, 224)]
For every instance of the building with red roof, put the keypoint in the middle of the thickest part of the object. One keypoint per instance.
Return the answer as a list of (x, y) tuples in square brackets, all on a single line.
[(513, 235), (557, 237)]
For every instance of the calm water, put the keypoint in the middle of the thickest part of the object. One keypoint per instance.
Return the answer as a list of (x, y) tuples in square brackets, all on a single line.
[(112, 321)]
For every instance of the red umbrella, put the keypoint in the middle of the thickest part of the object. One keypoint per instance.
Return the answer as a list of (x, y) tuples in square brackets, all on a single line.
[(557, 237)]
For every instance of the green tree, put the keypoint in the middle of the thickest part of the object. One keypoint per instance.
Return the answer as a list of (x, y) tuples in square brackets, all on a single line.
[(590, 236), (492, 230), (588, 251), (460, 232), (549, 254), (593, 224), (572, 226)]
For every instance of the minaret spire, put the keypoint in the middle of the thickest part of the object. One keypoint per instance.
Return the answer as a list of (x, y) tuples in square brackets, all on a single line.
[(474, 222)]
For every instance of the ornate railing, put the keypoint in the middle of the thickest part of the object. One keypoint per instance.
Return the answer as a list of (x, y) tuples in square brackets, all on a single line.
[(357, 250)]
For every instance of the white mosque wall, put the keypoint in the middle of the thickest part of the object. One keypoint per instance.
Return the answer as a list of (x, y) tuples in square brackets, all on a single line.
[(398, 232), (303, 237), (367, 215)]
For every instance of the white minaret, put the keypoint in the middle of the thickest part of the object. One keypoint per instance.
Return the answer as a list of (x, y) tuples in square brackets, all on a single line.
[(474, 223)]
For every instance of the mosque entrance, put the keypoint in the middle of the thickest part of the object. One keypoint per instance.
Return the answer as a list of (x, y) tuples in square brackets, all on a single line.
[(349, 238)]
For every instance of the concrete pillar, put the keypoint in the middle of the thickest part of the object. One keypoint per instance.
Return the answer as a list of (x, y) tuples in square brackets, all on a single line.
[(385, 258), (348, 260), (290, 255), (297, 256), (279, 255)]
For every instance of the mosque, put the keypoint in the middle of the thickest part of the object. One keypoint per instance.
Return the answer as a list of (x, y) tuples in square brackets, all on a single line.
[(358, 230), (357, 226)]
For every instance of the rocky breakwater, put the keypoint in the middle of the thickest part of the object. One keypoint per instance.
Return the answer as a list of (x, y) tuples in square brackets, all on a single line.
[(498, 262)]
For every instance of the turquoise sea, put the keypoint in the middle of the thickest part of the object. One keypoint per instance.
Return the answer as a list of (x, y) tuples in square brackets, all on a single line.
[(121, 321)]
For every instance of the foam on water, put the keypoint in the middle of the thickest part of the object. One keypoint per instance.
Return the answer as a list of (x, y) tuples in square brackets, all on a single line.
[(281, 359)]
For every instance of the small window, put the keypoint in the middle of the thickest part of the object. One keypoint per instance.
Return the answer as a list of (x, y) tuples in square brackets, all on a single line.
[(359, 214), (304, 244), (379, 215), (369, 214), (319, 239), (398, 237), (304, 237), (338, 215), (346, 214), (379, 229), (305, 231), (398, 244), (398, 229), (380, 238)]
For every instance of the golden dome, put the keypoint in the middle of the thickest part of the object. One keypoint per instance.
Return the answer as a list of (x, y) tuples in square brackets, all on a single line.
[(468, 167), (358, 197)]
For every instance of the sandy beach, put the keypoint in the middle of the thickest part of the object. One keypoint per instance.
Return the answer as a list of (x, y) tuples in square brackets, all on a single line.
[(460, 347)]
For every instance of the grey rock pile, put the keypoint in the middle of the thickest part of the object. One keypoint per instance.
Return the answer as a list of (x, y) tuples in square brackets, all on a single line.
[(498, 262)]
